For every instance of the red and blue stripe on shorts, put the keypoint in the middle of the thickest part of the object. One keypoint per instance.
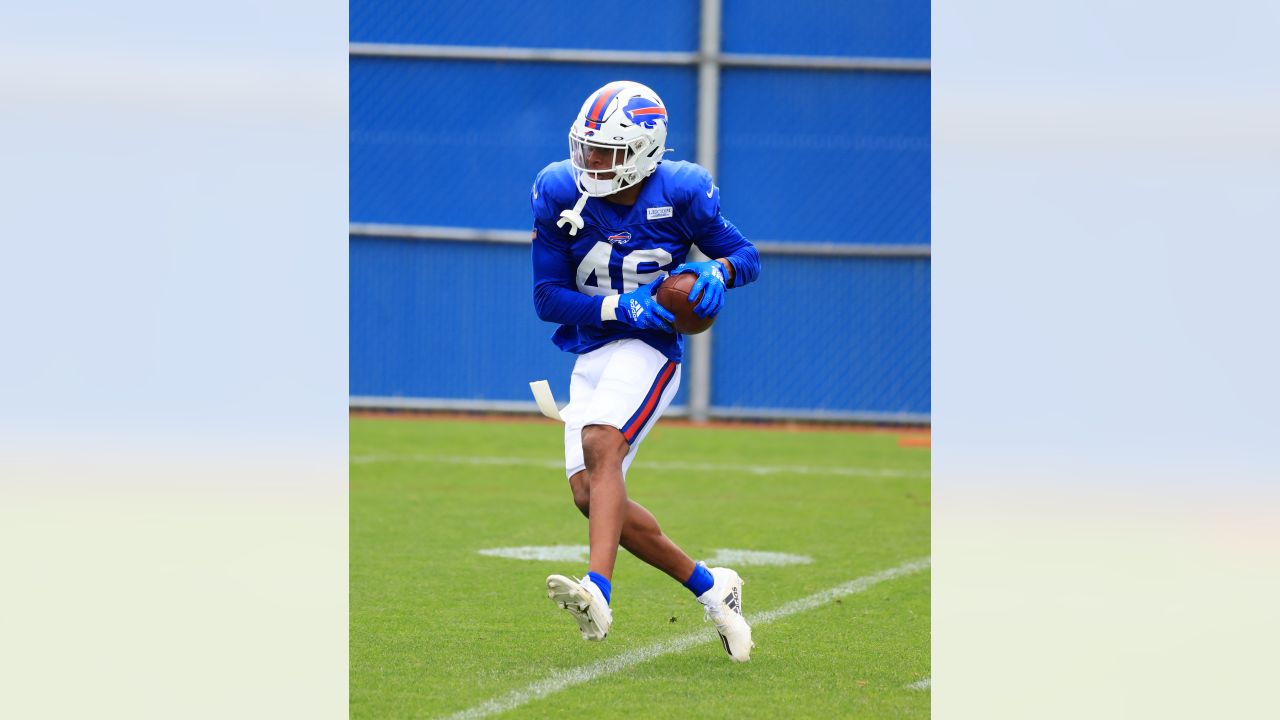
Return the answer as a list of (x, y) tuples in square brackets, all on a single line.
[(631, 430)]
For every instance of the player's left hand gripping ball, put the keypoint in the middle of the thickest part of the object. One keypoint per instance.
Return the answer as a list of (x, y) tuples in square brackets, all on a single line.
[(710, 283)]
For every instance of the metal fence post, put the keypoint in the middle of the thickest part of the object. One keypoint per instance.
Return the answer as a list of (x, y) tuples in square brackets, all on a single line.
[(699, 360)]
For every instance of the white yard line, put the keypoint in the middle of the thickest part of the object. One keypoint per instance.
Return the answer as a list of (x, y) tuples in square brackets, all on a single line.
[(919, 685), (731, 557), (586, 673), (652, 465)]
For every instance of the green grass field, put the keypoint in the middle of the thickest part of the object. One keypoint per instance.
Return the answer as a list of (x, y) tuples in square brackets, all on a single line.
[(437, 628)]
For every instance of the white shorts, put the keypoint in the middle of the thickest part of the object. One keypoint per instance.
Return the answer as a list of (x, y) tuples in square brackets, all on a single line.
[(625, 384)]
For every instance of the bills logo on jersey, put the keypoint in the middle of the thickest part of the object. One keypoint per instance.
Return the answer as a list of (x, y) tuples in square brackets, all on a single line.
[(621, 238), (645, 112)]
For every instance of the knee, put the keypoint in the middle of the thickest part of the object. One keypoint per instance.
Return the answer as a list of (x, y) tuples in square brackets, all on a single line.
[(603, 444)]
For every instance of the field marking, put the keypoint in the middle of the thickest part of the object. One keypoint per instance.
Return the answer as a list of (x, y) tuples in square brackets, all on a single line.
[(651, 465), (558, 553), (731, 556), (919, 685), (579, 553), (586, 673)]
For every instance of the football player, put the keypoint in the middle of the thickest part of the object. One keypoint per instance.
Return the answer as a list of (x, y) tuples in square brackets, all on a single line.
[(609, 223)]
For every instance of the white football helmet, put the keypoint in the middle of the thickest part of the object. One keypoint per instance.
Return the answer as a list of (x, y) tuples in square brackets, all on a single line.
[(618, 138)]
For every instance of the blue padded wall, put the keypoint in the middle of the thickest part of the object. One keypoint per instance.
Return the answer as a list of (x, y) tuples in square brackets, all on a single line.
[(826, 156), (603, 25), (804, 156), (865, 28), (839, 335), (459, 142), (449, 320)]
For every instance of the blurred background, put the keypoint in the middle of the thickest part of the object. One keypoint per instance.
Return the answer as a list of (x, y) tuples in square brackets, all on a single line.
[(814, 117)]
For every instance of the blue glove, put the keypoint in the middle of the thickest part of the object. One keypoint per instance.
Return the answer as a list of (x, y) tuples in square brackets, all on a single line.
[(710, 283), (640, 309)]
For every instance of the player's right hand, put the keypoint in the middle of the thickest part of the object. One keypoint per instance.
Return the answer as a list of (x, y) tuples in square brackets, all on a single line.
[(640, 309)]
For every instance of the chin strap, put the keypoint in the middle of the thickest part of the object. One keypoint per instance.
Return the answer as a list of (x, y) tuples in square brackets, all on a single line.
[(573, 218)]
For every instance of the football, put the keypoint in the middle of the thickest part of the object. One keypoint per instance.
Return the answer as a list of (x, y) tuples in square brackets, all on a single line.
[(673, 294)]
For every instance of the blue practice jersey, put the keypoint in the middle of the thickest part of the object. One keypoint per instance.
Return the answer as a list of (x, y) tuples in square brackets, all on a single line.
[(623, 247)]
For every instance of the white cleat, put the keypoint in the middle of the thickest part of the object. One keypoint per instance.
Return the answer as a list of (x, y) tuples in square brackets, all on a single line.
[(723, 603), (585, 603)]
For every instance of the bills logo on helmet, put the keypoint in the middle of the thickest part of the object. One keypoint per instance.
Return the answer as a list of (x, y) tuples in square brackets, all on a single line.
[(621, 238), (643, 111)]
